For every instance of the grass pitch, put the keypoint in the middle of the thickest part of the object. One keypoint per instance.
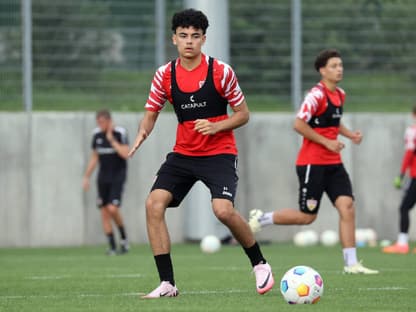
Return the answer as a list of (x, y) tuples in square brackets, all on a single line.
[(84, 279)]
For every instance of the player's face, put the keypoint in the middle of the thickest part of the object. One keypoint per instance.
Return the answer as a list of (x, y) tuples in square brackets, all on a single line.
[(333, 71), (188, 41), (103, 123)]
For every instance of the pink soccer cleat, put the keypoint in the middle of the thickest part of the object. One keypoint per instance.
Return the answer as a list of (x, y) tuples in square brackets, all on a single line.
[(264, 278), (165, 289)]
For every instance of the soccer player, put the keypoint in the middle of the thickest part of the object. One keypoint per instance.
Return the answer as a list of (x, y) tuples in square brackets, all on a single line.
[(110, 149), (319, 166), (200, 88), (409, 199)]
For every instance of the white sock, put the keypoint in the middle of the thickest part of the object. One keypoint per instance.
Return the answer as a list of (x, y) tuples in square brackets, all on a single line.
[(403, 239), (350, 256), (266, 219)]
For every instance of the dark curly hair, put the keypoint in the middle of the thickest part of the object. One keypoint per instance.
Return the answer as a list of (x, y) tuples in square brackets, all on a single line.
[(323, 57), (190, 18)]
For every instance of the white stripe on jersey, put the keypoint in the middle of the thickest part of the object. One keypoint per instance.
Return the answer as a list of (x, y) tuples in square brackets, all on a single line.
[(410, 138), (310, 104)]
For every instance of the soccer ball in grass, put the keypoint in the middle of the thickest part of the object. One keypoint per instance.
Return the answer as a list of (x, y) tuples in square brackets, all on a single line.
[(301, 284), (210, 244)]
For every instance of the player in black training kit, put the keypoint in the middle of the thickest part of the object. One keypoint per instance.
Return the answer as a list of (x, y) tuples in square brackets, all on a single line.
[(110, 149)]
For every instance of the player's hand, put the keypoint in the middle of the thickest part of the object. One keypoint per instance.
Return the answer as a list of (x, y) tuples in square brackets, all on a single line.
[(85, 184), (398, 182), (357, 137), (141, 136), (109, 133), (205, 127), (335, 146)]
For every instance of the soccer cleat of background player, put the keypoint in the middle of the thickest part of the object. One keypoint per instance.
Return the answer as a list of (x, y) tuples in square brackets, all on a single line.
[(401, 246), (319, 166)]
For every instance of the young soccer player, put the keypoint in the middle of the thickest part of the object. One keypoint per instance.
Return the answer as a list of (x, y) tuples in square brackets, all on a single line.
[(200, 88), (319, 166), (110, 149), (409, 199)]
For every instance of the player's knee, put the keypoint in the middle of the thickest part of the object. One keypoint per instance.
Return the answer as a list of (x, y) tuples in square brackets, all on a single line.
[(154, 208), (224, 214), (307, 219)]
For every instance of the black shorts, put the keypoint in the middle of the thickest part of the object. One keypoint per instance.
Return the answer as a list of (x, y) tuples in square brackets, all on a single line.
[(314, 180), (178, 174), (109, 192)]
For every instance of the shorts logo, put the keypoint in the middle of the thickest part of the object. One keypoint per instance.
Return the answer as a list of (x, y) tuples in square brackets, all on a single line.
[(226, 192), (311, 204), (116, 202)]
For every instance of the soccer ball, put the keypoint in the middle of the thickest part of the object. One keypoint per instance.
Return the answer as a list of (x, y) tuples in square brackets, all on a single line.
[(329, 238), (302, 284), (305, 238), (210, 244)]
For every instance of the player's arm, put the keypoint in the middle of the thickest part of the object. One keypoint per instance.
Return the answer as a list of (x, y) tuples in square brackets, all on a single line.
[(355, 136), (92, 163), (239, 117), (145, 128), (303, 128)]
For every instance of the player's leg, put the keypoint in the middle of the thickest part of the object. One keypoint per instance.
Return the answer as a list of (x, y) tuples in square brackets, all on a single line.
[(219, 173), (339, 190), (409, 199), (171, 186), (310, 193), (114, 210), (102, 202)]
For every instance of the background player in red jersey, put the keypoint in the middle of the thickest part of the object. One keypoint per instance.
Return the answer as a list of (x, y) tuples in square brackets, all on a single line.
[(409, 199), (319, 166), (110, 149), (200, 88)]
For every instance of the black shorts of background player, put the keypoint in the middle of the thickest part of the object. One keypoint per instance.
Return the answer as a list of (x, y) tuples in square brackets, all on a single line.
[(109, 150)]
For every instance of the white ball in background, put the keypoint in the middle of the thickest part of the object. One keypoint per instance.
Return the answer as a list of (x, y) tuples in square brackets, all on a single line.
[(306, 238), (371, 237), (210, 244), (312, 237), (360, 237), (329, 238)]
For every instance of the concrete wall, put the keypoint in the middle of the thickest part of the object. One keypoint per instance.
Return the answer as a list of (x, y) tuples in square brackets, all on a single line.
[(42, 161)]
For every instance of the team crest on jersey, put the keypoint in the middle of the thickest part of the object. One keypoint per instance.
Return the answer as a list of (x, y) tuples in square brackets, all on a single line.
[(311, 204), (99, 141)]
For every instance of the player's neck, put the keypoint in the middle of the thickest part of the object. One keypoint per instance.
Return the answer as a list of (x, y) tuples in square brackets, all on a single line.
[(330, 85), (190, 63)]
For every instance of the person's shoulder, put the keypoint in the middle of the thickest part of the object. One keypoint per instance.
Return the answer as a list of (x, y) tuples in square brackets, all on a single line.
[(218, 64), (317, 91), (96, 131), (341, 90), (165, 68), (120, 129)]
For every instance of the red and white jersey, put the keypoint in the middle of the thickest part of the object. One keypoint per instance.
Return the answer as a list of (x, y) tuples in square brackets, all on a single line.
[(188, 141), (409, 159), (322, 110)]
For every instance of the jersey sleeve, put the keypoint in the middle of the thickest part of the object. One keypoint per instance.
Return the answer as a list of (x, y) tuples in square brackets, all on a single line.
[(123, 135), (311, 104), (409, 146), (157, 95), (230, 86)]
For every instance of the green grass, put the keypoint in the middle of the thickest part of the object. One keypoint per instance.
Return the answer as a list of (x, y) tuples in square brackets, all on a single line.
[(83, 279)]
